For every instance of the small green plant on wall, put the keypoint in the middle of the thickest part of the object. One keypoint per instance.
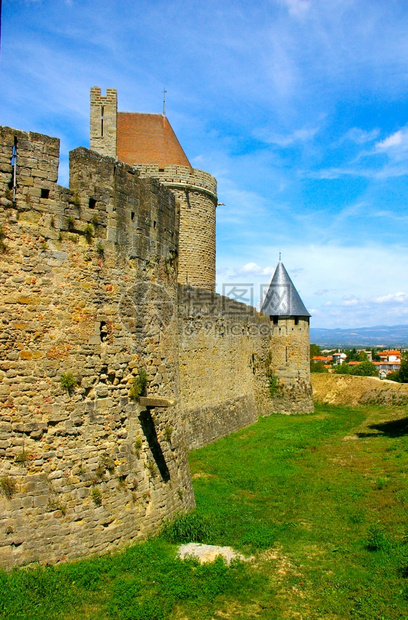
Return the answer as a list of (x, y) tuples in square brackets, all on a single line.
[(68, 382), (168, 431), (89, 233), (22, 457), (273, 384), (138, 446), (151, 468), (138, 387), (96, 496)]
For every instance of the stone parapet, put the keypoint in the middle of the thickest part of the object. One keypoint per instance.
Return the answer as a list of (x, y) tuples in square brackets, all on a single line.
[(224, 353), (176, 176)]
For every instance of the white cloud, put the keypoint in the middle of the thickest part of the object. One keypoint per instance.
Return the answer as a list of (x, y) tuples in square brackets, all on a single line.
[(252, 269), (360, 136), (321, 291), (297, 8), (350, 300), (399, 139), (392, 298), (285, 140)]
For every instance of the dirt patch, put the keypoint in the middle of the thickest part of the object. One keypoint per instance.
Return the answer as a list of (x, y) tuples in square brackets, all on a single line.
[(350, 390), (201, 474)]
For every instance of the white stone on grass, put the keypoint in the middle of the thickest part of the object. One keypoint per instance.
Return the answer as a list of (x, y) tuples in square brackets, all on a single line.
[(209, 553)]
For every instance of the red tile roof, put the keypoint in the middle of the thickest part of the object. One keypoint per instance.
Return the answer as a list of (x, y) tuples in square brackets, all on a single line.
[(148, 139)]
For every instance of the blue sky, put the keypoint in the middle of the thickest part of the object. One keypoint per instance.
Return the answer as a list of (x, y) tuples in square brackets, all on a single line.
[(299, 108)]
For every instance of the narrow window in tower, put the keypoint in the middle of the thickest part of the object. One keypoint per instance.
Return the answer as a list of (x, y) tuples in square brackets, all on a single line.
[(296, 320), (102, 112)]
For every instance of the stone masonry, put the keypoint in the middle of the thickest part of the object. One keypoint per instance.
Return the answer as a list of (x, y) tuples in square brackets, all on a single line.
[(104, 121), (90, 292), (196, 198), (88, 281)]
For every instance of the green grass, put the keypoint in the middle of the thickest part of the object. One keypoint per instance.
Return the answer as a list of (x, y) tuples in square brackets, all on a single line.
[(320, 500)]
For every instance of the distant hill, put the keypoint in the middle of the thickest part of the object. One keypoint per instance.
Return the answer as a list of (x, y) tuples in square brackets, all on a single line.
[(378, 336)]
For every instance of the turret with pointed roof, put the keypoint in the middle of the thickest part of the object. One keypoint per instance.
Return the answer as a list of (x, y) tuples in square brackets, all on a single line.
[(282, 298), (289, 370)]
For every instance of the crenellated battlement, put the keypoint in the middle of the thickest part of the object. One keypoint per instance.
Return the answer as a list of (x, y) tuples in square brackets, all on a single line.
[(37, 164), (181, 177), (105, 200)]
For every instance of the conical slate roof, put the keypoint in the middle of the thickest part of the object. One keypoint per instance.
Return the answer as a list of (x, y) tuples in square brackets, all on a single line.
[(282, 298)]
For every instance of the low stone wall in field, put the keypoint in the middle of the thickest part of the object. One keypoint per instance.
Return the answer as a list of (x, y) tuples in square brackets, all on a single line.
[(352, 390)]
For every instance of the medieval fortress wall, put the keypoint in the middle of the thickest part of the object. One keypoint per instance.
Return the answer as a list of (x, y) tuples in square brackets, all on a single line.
[(90, 288), (83, 472)]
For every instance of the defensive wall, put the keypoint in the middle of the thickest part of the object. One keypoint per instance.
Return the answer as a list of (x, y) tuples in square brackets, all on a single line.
[(89, 289), (224, 365)]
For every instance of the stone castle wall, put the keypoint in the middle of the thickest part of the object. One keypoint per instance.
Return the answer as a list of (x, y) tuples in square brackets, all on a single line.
[(224, 353), (196, 194), (89, 283)]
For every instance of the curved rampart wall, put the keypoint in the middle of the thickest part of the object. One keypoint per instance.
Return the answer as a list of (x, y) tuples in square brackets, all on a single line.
[(224, 348), (196, 195)]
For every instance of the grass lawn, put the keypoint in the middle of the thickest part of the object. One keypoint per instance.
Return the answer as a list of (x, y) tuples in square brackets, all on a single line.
[(321, 501)]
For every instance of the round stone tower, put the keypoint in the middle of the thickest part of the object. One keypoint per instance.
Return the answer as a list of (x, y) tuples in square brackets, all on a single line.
[(148, 143), (196, 195)]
